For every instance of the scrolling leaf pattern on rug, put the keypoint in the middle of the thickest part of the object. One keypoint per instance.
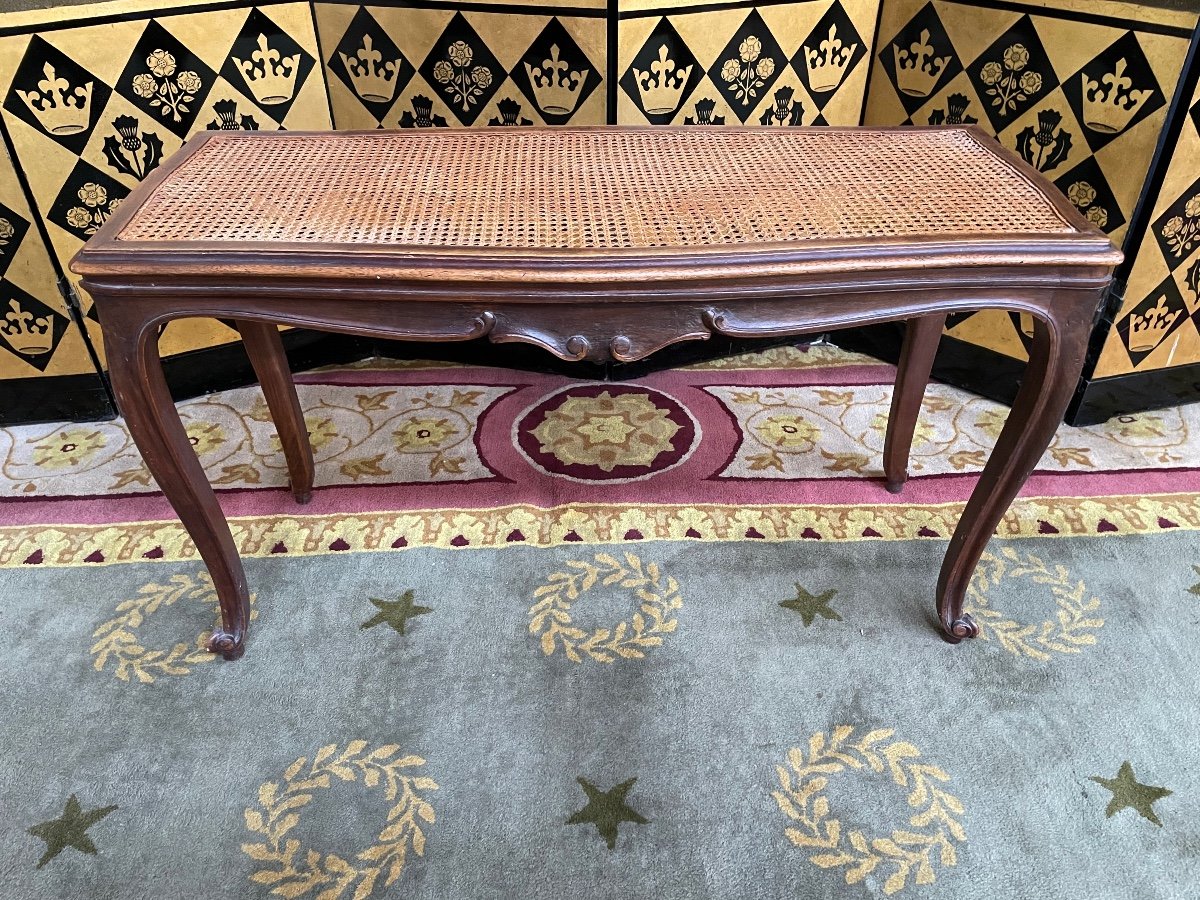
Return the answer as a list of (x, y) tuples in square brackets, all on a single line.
[(914, 851), (295, 871)]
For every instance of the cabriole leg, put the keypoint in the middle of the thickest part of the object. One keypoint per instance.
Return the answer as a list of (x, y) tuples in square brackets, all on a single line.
[(142, 396), (265, 349), (1055, 361), (921, 337)]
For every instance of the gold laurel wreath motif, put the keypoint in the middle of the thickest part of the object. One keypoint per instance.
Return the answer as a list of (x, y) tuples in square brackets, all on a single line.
[(628, 639), (1073, 627), (117, 638), (907, 851), (295, 871)]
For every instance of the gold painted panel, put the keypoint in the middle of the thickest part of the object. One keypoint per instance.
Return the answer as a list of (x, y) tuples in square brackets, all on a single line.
[(438, 67), (93, 108), (37, 333), (781, 64), (1079, 91), (1158, 325)]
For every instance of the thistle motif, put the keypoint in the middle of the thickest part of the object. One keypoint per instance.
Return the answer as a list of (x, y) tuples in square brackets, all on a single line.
[(955, 112), (167, 90), (227, 120), (785, 111), (1044, 147), (422, 115), (122, 149), (704, 114), (510, 112)]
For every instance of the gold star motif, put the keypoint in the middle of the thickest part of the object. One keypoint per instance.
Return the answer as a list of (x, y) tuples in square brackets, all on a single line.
[(1127, 791), (69, 830)]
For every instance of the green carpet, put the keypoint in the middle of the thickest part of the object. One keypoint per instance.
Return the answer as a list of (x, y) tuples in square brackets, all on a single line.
[(661, 719)]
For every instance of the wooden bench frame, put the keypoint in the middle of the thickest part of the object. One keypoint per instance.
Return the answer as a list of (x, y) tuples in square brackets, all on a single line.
[(593, 306)]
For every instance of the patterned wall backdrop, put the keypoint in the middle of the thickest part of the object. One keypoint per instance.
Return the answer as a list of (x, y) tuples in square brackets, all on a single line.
[(1158, 325), (788, 63), (95, 103), (432, 66), (1080, 95)]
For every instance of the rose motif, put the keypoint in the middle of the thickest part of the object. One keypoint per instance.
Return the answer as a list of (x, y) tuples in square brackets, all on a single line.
[(1193, 206), (482, 76), (6, 229), (1172, 227), (1098, 215), (113, 204), (1031, 82), (78, 217), (787, 432), (1016, 57), (425, 433), (144, 85), (93, 194), (749, 49), (460, 54), (765, 67), (991, 72), (189, 82), (443, 71), (731, 70), (1081, 194), (161, 63)]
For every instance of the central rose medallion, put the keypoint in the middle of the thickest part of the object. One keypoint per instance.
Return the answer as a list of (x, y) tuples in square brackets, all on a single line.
[(606, 433)]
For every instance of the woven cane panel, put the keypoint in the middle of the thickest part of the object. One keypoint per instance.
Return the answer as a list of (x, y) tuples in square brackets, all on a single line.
[(603, 189)]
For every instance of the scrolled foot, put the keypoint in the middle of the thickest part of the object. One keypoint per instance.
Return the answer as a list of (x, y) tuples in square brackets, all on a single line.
[(226, 644), (962, 627)]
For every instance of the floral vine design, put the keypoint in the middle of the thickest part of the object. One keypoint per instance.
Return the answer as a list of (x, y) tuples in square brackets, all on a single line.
[(165, 88), (748, 73), (96, 209), (550, 616), (1183, 232), (295, 871), (1083, 195), (462, 81), (1047, 145), (932, 832), (1008, 82), (122, 149)]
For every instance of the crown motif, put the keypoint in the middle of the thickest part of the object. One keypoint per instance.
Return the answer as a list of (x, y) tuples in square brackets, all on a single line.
[(827, 64), (28, 334), (917, 69), (374, 80), (1146, 331), (1110, 111), (59, 108), (661, 91), (270, 76), (555, 87)]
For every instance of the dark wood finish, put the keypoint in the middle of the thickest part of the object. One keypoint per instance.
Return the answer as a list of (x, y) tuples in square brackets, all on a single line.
[(604, 304), (921, 339)]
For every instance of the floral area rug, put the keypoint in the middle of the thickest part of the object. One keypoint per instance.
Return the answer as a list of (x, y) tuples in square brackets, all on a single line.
[(537, 637)]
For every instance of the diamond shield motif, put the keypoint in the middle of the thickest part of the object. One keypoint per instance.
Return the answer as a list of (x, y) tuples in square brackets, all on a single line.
[(750, 64), (1114, 91), (920, 59), (662, 75), (370, 64), (463, 71), (56, 95), (165, 80), (828, 55), (267, 65), (1012, 75), (555, 74)]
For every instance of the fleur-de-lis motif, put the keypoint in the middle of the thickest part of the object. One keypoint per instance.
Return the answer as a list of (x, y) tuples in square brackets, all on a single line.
[(166, 89), (464, 82), (749, 72)]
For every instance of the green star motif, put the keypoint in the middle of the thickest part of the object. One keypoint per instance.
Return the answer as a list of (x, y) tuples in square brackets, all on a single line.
[(396, 612), (1128, 792), (606, 810), (69, 830), (810, 607)]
